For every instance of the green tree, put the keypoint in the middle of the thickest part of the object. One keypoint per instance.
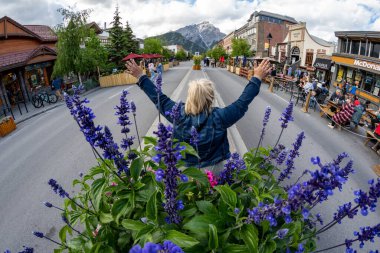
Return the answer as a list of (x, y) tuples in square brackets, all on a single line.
[(132, 45), (167, 53), (117, 40), (181, 55), (94, 55), (240, 47), (72, 34), (152, 46), (217, 52)]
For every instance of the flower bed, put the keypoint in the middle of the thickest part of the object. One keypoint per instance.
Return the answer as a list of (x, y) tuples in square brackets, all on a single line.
[(147, 198)]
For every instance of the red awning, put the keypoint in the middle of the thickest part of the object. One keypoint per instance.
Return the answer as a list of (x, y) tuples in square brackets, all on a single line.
[(147, 56), (157, 56), (132, 56)]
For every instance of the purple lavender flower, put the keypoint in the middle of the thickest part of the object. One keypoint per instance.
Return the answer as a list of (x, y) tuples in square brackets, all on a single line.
[(301, 195), (133, 108), (180, 205), (38, 234), (58, 188), (175, 112), (319, 218), (149, 247), (281, 157), (159, 175), (268, 111), (122, 112), (282, 233), (367, 234), (343, 211), (286, 115), (300, 248), (170, 154), (25, 250), (235, 163), (158, 82), (184, 178), (292, 155), (48, 204), (236, 210), (194, 136)]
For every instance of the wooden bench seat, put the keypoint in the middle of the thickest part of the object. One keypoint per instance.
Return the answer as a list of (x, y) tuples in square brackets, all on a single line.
[(371, 136), (326, 110)]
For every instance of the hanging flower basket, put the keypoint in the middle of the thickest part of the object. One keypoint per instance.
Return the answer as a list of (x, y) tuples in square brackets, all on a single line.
[(7, 125)]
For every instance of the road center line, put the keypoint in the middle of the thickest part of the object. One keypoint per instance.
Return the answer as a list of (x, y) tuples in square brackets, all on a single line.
[(119, 93)]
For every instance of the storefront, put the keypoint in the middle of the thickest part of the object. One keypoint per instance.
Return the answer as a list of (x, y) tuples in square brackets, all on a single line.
[(365, 72), (322, 70)]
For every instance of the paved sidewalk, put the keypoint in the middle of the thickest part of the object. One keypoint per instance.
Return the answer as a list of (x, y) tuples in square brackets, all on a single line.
[(33, 112)]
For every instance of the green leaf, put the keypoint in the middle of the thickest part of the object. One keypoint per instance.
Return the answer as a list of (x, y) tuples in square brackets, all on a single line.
[(228, 195), (212, 237), (132, 225), (235, 248), (269, 247), (197, 175), (136, 167), (249, 234), (76, 181), (105, 218), (76, 243), (95, 171), (199, 224), (62, 233), (182, 240), (97, 189), (120, 208), (189, 149), (150, 140), (105, 249), (206, 207), (266, 195), (189, 212), (151, 207)]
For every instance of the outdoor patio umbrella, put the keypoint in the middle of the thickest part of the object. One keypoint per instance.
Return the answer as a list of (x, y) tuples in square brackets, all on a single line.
[(147, 56), (157, 56), (132, 56)]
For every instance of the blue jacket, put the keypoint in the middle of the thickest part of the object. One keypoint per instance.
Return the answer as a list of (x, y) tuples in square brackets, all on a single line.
[(213, 146)]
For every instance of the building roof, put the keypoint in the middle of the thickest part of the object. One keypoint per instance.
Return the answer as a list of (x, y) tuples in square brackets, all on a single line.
[(321, 41), (358, 34), (96, 27), (44, 31), (15, 59), (273, 15)]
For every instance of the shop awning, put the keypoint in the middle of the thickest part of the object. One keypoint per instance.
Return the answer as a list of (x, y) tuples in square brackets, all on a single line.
[(324, 64)]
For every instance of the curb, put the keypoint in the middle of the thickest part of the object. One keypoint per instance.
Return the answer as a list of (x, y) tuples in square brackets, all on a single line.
[(53, 107)]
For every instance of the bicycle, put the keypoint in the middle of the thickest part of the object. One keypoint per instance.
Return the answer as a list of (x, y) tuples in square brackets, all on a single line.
[(42, 95)]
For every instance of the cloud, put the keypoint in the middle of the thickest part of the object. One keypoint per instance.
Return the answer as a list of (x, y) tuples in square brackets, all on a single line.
[(153, 17)]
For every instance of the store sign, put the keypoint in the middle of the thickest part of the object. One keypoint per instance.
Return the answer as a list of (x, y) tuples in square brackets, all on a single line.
[(321, 63), (367, 65)]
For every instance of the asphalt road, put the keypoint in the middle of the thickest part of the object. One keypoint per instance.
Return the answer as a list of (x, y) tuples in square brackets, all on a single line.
[(51, 146)]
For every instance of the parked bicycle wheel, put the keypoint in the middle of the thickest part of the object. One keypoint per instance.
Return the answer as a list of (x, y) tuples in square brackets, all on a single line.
[(53, 98), (37, 101), (44, 96)]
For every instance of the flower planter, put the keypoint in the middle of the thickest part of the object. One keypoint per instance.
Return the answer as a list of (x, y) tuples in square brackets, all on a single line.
[(166, 67), (196, 67), (7, 125), (228, 67), (117, 80), (237, 70)]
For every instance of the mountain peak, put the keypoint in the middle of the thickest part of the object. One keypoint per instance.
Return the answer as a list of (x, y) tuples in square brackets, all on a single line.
[(204, 34)]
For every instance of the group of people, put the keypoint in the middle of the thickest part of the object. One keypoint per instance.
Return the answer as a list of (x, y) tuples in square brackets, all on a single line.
[(352, 109), (209, 61)]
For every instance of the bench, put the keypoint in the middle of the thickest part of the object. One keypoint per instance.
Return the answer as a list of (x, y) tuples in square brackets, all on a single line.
[(371, 136), (326, 110)]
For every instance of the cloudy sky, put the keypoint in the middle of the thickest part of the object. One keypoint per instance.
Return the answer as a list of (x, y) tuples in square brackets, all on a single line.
[(153, 17)]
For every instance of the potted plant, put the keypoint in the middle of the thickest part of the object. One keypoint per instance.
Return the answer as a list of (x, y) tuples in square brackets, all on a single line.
[(197, 63), (7, 125)]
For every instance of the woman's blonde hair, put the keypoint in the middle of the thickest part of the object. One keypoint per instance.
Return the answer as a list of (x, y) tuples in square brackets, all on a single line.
[(200, 97)]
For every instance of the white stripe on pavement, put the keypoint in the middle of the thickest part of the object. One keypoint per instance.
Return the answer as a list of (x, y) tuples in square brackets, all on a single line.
[(119, 93)]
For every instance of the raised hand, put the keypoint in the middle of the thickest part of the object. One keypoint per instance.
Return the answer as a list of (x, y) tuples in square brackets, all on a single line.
[(262, 70), (133, 69)]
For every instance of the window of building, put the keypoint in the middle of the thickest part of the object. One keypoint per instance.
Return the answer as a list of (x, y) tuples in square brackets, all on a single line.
[(355, 47), (309, 59), (362, 48), (375, 49), (341, 73)]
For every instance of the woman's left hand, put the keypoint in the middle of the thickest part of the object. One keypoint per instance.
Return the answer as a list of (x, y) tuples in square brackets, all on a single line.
[(133, 69)]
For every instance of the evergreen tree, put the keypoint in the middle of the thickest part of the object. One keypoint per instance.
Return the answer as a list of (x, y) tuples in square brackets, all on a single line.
[(117, 41), (132, 45)]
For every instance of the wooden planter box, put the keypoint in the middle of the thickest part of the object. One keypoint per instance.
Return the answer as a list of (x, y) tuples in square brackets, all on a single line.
[(117, 80), (237, 70), (166, 67), (228, 67), (7, 125), (196, 67), (171, 64)]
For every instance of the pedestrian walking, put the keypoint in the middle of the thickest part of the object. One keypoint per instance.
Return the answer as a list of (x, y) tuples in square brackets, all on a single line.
[(211, 123)]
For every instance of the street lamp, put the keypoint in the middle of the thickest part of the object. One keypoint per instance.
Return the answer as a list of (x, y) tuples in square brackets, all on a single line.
[(269, 37)]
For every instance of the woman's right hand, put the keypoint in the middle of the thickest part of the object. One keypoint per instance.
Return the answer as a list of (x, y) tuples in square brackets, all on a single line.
[(133, 69), (262, 70)]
